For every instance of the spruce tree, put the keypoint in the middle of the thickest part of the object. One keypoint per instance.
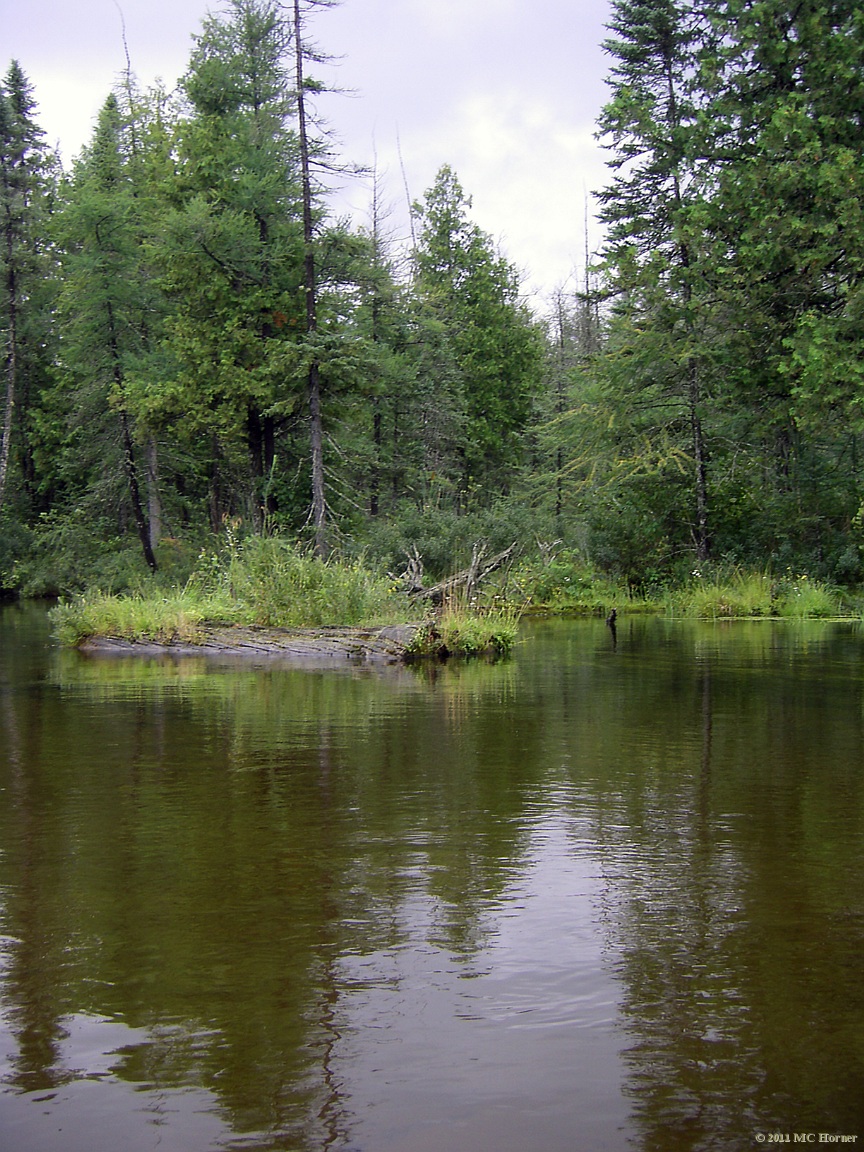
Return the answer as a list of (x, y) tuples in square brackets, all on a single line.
[(26, 186), (111, 306), (470, 295), (658, 256)]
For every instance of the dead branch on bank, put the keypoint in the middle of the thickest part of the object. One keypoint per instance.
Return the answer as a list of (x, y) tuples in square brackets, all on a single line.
[(467, 581)]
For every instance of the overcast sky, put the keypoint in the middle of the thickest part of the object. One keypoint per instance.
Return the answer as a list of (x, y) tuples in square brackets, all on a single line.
[(507, 95)]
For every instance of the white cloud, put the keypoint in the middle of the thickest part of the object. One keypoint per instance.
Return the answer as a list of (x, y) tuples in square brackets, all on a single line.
[(506, 96)]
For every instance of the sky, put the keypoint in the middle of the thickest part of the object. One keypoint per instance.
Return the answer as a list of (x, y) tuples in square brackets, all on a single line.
[(507, 97)]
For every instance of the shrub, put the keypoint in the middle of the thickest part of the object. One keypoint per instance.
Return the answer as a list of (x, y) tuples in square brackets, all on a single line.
[(738, 593), (563, 581), (460, 633), (801, 597)]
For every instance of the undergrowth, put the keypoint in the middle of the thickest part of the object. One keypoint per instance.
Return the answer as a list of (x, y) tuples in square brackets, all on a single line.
[(457, 632), (754, 594)]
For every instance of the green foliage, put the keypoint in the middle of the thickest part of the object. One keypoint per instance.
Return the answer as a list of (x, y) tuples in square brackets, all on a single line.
[(740, 594), (262, 581), (27, 287), (231, 253), (274, 583), (702, 392), (563, 581), (69, 551), (14, 545), (471, 297), (801, 597), (443, 540), (457, 632)]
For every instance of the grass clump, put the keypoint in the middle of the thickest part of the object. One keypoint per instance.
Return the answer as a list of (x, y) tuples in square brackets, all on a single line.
[(278, 585), (457, 632), (801, 598), (262, 581), (753, 594), (176, 617), (737, 594)]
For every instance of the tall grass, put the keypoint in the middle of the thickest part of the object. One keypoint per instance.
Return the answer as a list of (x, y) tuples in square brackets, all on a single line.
[(463, 633), (803, 598), (753, 594), (263, 581), (280, 586), (176, 616)]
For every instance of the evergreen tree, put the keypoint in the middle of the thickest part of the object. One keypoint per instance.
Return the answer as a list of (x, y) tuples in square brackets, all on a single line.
[(233, 250), (791, 188), (111, 306), (490, 349), (26, 185), (378, 432), (658, 255)]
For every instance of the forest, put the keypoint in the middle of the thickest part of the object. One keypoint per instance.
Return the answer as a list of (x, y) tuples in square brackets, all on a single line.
[(196, 348)]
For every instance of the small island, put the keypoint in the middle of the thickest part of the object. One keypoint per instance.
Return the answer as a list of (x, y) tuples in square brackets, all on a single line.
[(268, 599)]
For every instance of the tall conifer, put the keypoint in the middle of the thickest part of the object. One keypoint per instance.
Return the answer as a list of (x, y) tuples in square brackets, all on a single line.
[(24, 189)]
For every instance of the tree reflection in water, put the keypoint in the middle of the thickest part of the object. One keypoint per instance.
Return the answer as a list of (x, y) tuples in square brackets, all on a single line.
[(294, 901)]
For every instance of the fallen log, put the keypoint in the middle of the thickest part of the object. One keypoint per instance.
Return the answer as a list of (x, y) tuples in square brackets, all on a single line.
[(385, 645), (468, 579)]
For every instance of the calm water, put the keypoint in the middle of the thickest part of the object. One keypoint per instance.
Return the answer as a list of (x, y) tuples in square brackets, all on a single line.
[(593, 898)]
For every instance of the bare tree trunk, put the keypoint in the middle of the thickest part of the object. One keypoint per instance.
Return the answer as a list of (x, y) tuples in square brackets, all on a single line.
[(316, 429), (700, 466), (468, 579), (154, 502), (214, 488), (703, 542), (129, 451)]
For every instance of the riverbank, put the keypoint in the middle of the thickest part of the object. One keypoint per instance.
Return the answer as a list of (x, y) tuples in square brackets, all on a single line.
[(266, 599)]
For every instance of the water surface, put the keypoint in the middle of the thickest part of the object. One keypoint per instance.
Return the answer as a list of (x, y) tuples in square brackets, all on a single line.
[(597, 897)]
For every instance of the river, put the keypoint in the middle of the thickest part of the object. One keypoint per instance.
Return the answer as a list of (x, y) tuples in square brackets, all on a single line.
[(602, 896)]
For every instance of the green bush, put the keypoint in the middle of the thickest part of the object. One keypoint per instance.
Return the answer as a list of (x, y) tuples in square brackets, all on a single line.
[(67, 552), (461, 633), (563, 581), (443, 539), (14, 545)]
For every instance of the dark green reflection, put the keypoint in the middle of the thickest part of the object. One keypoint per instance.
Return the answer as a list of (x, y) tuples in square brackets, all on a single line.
[(212, 857), (724, 767), (190, 850)]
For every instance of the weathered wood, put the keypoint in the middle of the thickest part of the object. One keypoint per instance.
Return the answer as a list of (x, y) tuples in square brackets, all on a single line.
[(412, 577), (469, 578), (387, 645)]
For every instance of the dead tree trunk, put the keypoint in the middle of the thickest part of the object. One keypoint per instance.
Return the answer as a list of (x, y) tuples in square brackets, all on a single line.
[(316, 430), (466, 581)]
